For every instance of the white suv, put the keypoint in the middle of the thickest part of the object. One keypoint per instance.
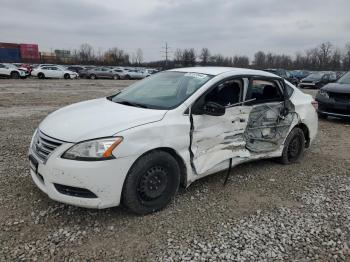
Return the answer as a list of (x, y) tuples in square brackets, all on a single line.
[(11, 71), (137, 146)]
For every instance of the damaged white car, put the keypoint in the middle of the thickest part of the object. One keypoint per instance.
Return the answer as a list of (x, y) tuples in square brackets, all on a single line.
[(138, 146)]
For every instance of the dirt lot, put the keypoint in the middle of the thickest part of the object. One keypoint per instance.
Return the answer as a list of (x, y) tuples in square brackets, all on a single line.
[(267, 211)]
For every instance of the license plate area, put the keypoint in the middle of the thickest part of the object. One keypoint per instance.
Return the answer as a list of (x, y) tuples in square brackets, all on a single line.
[(33, 163)]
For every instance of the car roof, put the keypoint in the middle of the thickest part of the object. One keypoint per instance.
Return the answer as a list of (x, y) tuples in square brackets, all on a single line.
[(214, 70)]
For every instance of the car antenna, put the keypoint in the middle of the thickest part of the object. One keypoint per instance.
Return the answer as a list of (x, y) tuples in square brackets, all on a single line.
[(228, 172)]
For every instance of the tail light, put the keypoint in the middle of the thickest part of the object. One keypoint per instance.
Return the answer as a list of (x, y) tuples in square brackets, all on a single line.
[(314, 104)]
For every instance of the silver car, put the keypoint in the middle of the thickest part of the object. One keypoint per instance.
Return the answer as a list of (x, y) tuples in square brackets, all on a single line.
[(102, 72)]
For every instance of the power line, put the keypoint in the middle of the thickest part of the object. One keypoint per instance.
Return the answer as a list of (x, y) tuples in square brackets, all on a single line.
[(166, 51)]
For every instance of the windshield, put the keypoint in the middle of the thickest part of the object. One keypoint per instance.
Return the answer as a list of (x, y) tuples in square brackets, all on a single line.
[(345, 79), (164, 90), (315, 76)]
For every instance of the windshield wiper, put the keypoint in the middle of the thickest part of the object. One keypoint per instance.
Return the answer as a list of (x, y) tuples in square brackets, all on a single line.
[(127, 103)]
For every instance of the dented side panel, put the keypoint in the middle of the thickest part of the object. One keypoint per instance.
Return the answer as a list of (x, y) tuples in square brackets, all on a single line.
[(268, 126), (216, 139)]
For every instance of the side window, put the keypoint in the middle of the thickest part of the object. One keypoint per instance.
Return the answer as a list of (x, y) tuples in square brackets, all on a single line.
[(226, 93), (2, 66), (263, 91)]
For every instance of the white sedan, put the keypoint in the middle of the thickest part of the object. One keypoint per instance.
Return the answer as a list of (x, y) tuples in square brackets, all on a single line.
[(53, 72), (139, 145)]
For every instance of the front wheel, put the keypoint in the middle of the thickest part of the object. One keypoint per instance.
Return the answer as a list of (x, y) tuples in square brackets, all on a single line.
[(66, 76), (151, 183), (14, 75), (116, 77), (294, 147), (92, 76)]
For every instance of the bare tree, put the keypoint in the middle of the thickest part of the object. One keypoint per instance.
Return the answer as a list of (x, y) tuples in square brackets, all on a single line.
[(86, 52), (204, 56), (139, 56), (178, 57), (346, 57), (324, 54), (116, 56), (260, 59)]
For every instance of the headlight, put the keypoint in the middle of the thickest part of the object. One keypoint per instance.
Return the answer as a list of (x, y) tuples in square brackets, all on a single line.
[(93, 150), (323, 93)]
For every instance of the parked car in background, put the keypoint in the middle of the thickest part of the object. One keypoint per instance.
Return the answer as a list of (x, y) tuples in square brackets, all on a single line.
[(101, 72), (11, 71), (136, 73), (284, 74), (334, 98), (317, 80), (76, 69), (83, 72), (152, 71), (300, 74), (120, 73), (26, 67), (137, 146), (43, 72)]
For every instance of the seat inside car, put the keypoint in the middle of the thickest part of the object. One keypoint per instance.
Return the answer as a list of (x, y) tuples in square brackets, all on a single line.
[(229, 94)]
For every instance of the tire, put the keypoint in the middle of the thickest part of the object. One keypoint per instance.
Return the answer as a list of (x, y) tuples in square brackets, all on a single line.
[(66, 76), (15, 75), (127, 77), (116, 77), (294, 146), (41, 76), (92, 77), (151, 183)]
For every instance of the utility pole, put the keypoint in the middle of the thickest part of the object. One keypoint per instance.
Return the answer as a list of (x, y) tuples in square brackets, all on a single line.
[(166, 52)]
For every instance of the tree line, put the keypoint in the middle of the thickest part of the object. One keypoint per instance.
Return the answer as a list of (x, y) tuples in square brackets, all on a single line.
[(325, 56)]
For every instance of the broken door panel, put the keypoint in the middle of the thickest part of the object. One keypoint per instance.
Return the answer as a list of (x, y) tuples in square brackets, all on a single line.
[(268, 126), (216, 139)]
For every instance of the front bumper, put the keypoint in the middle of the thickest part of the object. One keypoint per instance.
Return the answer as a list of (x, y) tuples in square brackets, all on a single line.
[(329, 107), (104, 179)]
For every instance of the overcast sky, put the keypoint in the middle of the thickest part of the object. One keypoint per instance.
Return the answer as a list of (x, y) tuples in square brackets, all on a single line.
[(224, 26)]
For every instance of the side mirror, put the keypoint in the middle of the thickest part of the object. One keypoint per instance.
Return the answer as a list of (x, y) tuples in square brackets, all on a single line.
[(210, 109)]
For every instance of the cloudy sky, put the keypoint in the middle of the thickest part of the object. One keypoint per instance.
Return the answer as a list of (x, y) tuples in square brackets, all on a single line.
[(224, 26)]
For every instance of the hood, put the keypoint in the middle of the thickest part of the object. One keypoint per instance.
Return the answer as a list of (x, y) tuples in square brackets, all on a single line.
[(94, 119), (337, 88)]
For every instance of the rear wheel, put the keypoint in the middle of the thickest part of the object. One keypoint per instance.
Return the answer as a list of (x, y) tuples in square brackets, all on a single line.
[(116, 77), (14, 75), (293, 147), (41, 76), (92, 76), (66, 76), (151, 182), (127, 77)]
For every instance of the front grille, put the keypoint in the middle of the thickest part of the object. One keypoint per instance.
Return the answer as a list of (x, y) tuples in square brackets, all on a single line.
[(340, 97), (44, 145)]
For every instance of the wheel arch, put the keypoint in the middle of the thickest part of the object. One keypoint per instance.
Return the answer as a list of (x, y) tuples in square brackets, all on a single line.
[(306, 132), (176, 156)]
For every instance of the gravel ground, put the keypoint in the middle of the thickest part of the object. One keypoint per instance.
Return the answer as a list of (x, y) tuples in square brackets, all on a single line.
[(266, 212)]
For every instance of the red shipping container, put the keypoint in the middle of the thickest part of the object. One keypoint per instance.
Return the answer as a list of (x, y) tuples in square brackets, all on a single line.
[(29, 51), (9, 45)]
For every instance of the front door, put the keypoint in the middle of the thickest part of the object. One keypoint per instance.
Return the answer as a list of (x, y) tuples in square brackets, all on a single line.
[(218, 138)]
